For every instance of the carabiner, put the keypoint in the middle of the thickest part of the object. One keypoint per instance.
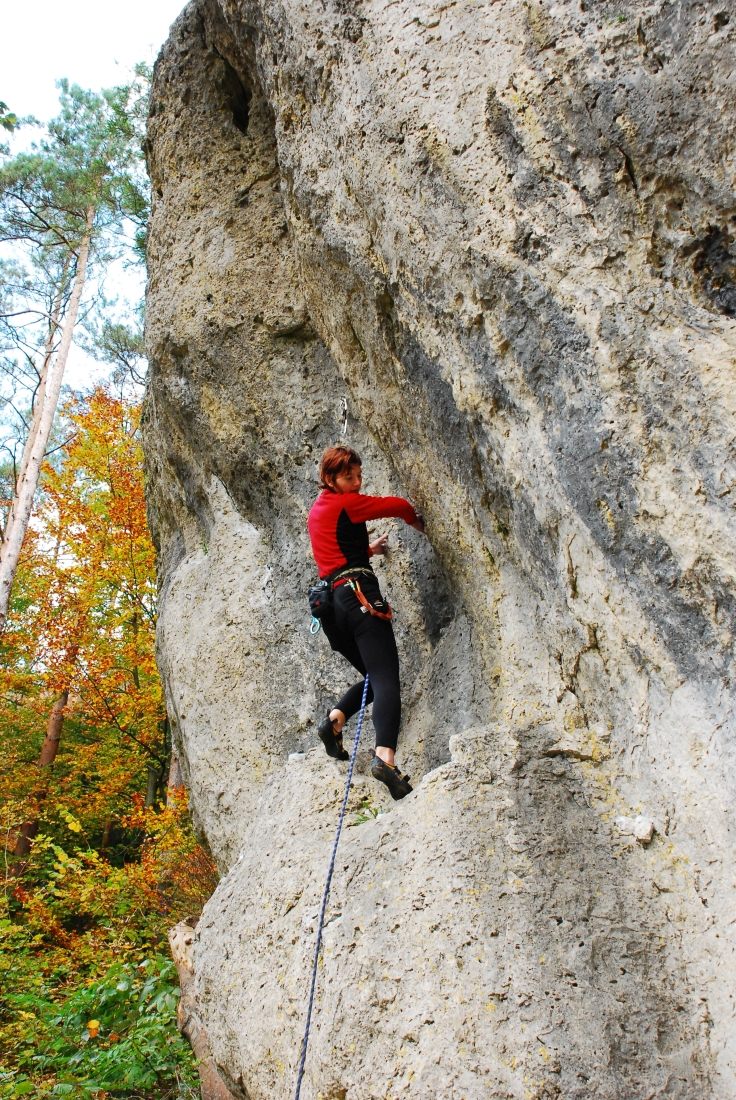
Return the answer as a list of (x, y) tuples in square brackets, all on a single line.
[(315, 626)]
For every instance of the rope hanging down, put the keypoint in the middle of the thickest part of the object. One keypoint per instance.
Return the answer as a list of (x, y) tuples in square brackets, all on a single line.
[(326, 893)]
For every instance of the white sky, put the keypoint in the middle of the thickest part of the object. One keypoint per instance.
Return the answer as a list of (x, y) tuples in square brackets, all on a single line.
[(94, 43)]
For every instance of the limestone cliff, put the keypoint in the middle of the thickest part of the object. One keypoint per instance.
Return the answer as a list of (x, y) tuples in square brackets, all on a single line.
[(504, 233)]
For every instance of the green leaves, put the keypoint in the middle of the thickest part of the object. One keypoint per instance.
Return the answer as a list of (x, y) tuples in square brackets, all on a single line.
[(14, 1085), (8, 120), (366, 812), (69, 819), (134, 1045), (89, 158), (122, 346)]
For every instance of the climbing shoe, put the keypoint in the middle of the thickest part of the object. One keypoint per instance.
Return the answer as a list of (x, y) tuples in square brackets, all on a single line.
[(398, 784), (331, 739)]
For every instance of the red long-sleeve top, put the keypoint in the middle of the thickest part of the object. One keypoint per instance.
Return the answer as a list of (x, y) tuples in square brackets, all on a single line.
[(337, 527)]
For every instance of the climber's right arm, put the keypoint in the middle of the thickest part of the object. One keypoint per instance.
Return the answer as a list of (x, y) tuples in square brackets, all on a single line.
[(361, 508)]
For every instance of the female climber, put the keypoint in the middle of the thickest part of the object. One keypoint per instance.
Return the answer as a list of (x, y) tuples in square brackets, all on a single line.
[(358, 625)]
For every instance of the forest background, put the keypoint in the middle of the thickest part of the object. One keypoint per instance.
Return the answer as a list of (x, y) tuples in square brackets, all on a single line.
[(99, 856)]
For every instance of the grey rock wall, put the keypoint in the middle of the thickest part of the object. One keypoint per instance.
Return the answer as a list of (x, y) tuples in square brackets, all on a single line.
[(504, 232)]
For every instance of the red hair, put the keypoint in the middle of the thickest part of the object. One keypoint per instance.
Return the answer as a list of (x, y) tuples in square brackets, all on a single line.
[(337, 461)]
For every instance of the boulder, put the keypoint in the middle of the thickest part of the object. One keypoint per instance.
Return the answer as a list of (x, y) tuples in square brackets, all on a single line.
[(501, 236)]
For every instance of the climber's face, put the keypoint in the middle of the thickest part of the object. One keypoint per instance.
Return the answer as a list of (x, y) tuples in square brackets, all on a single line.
[(349, 482)]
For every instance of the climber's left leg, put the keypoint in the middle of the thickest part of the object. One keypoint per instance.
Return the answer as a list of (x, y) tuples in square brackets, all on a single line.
[(330, 728), (344, 644)]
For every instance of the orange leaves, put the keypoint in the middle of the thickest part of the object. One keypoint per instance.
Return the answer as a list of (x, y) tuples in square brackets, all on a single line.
[(93, 878), (175, 872), (105, 877), (95, 620), (83, 614)]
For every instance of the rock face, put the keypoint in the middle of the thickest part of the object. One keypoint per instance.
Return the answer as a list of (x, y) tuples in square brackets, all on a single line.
[(503, 233)]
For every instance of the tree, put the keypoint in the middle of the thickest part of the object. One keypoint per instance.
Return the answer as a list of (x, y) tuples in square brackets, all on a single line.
[(63, 207), (82, 630), (123, 347), (86, 995)]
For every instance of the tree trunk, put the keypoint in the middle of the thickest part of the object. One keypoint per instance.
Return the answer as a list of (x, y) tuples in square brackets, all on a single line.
[(134, 625), (50, 746), (181, 941), (49, 750), (176, 779), (43, 418), (32, 433), (40, 397), (22, 848), (155, 775)]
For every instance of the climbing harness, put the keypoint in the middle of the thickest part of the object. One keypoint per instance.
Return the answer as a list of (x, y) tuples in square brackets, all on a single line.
[(325, 895), (344, 575), (387, 614), (320, 596)]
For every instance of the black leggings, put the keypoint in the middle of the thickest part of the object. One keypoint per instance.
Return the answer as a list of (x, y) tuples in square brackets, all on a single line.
[(369, 644)]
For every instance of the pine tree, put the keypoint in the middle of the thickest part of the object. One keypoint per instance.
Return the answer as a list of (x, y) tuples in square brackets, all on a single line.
[(64, 209)]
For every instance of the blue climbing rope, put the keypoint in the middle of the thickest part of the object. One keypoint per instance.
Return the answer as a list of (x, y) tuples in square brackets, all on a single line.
[(326, 893)]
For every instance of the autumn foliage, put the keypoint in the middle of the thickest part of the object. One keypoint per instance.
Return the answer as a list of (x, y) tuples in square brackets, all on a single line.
[(106, 873), (83, 615)]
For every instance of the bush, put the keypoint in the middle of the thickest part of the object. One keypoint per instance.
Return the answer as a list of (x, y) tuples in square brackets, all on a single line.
[(116, 1035), (87, 996)]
